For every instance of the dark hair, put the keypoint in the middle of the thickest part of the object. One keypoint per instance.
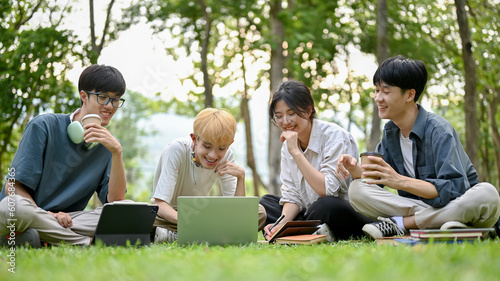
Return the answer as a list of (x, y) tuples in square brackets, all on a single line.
[(404, 73), (102, 78), (297, 96)]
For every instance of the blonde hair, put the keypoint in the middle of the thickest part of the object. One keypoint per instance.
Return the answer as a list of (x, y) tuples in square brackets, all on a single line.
[(216, 126)]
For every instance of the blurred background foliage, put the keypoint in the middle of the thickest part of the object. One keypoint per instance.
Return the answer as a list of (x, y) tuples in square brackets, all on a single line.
[(234, 47)]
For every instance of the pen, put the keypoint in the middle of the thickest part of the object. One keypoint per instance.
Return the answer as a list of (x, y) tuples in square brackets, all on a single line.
[(275, 224)]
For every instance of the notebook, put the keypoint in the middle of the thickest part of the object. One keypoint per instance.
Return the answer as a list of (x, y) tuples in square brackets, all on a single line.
[(217, 220), (125, 223), (303, 239), (291, 228)]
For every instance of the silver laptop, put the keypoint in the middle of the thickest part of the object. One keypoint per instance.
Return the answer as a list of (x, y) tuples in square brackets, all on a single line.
[(217, 220)]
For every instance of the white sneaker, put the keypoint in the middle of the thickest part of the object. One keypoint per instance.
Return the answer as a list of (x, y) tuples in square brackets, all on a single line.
[(165, 235), (453, 225), (325, 230)]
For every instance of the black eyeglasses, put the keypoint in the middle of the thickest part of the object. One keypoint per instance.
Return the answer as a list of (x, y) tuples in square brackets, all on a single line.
[(104, 99)]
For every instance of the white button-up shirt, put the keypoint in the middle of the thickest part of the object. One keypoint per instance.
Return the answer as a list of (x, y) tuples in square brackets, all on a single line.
[(327, 142)]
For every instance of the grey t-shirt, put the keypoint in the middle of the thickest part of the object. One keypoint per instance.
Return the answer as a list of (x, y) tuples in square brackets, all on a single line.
[(60, 175)]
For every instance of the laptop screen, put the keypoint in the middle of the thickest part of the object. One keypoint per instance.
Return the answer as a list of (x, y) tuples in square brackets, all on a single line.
[(217, 220)]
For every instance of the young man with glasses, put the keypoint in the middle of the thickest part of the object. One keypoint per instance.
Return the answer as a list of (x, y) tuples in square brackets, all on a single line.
[(52, 176)]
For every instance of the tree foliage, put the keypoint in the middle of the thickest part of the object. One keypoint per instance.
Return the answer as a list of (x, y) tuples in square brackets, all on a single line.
[(33, 65), (428, 30), (425, 30), (219, 36), (224, 39), (94, 48), (205, 30), (129, 125), (486, 38)]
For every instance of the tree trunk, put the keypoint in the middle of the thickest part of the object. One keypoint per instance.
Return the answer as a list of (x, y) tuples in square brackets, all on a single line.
[(94, 56), (245, 112), (204, 55), (492, 113), (276, 73), (97, 48), (382, 54), (486, 161), (471, 120)]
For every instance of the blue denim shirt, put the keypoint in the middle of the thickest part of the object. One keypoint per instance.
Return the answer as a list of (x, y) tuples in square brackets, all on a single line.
[(438, 157)]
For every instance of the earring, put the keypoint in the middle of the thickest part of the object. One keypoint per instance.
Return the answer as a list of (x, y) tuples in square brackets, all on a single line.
[(194, 160)]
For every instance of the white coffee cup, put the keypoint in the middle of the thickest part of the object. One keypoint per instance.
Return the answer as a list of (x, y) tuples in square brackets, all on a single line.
[(91, 118)]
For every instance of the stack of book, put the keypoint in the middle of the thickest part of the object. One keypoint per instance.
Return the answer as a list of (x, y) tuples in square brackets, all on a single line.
[(423, 236), (298, 232), (468, 235), (463, 234)]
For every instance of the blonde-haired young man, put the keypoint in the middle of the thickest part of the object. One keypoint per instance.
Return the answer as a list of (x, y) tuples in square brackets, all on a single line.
[(190, 166)]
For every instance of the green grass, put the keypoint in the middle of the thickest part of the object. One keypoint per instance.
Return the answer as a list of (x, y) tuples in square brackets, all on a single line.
[(358, 260)]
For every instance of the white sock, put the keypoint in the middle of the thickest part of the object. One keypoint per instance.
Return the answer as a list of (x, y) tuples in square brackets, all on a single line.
[(399, 222)]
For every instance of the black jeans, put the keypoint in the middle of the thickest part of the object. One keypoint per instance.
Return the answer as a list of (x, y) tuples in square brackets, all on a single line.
[(338, 214)]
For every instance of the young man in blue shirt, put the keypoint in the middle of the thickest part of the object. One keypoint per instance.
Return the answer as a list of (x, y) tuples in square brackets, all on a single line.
[(53, 175), (423, 160)]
